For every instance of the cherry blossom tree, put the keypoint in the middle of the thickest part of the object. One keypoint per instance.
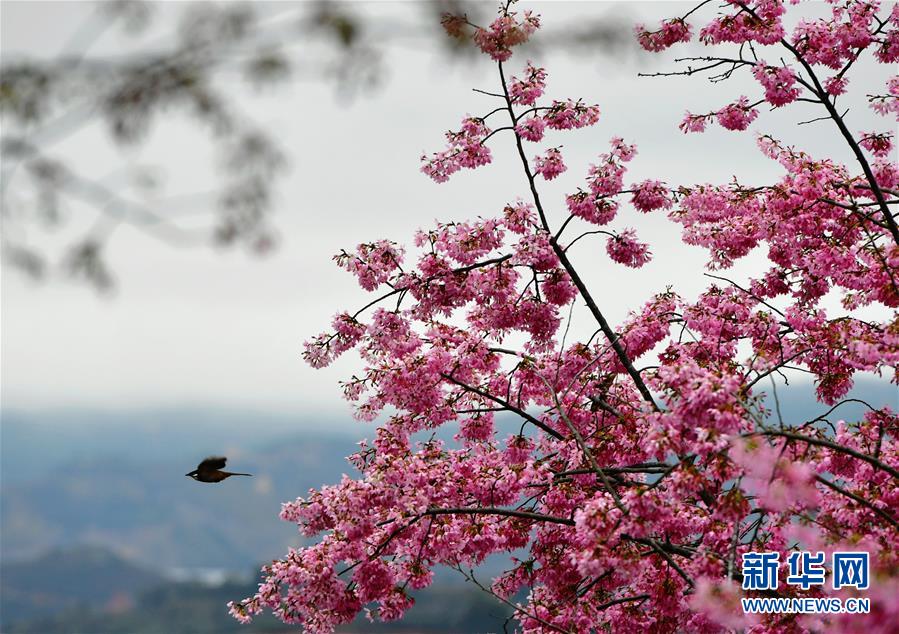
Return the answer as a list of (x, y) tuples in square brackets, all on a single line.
[(644, 461)]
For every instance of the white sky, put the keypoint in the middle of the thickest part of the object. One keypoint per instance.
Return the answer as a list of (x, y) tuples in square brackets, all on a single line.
[(196, 326)]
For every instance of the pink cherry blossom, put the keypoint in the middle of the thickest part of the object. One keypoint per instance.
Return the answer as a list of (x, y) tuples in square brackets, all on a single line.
[(529, 88), (372, 263), (737, 116), (879, 144), (506, 32), (531, 129), (779, 83), (762, 23), (836, 85), (520, 217), (651, 195), (670, 33), (627, 250), (565, 115), (598, 209), (465, 148), (550, 165), (887, 103)]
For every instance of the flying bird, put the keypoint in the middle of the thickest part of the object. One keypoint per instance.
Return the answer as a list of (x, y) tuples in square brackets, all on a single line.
[(210, 470)]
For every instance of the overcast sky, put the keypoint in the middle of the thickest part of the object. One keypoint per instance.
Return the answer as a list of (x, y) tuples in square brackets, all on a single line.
[(205, 327)]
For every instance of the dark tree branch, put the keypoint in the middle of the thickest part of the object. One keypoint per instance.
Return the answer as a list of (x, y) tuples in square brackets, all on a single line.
[(507, 405), (527, 515), (874, 462)]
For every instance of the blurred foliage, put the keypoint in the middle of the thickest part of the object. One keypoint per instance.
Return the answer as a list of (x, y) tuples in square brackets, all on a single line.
[(45, 100)]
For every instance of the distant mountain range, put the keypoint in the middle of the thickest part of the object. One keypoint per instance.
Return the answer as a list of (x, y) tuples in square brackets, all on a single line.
[(90, 590), (70, 579)]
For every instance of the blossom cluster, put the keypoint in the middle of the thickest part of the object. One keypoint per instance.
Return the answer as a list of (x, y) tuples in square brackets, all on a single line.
[(372, 263), (504, 33), (527, 90), (550, 164), (625, 249), (888, 103), (779, 83), (566, 115), (465, 148), (735, 116), (755, 21), (671, 32)]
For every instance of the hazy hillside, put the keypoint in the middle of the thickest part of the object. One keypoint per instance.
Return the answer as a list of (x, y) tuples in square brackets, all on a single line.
[(65, 579), (90, 590)]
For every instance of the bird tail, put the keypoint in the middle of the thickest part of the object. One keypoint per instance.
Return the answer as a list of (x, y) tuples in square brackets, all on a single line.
[(230, 473)]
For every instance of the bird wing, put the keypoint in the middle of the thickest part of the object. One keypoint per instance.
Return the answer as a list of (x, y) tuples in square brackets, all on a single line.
[(212, 463)]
